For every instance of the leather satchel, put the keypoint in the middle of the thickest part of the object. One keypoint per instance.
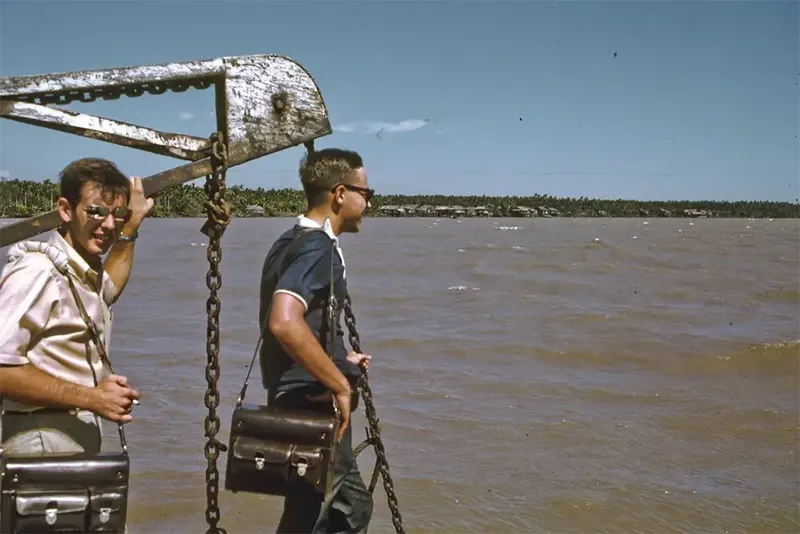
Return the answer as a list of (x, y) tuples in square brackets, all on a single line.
[(66, 493), (274, 450)]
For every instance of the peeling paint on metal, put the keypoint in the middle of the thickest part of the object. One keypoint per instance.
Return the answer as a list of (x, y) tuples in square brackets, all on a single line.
[(251, 83), (177, 145), (90, 79)]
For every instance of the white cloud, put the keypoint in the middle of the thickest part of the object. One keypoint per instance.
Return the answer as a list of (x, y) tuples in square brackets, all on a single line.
[(185, 115), (381, 127), (396, 127), (4, 174)]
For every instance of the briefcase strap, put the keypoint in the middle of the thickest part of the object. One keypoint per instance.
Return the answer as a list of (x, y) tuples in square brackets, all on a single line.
[(331, 313), (101, 349)]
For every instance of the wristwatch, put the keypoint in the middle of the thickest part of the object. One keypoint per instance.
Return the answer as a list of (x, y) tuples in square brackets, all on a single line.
[(128, 239)]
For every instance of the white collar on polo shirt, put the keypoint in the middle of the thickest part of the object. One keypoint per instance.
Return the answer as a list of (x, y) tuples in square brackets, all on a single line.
[(305, 222)]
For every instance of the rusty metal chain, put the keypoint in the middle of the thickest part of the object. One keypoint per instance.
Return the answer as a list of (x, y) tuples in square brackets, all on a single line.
[(219, 215), (63, 98), (374, 430)]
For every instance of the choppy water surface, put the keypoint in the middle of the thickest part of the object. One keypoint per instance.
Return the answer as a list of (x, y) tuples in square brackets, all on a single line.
[(562, 375)]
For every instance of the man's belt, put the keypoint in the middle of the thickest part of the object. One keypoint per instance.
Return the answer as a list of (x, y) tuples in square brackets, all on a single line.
[(43, 411)]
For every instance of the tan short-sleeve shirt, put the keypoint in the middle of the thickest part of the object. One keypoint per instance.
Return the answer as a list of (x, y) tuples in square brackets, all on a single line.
[(41, 324)]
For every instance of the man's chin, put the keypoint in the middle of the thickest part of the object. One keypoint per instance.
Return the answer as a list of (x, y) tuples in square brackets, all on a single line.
[(97, 247)]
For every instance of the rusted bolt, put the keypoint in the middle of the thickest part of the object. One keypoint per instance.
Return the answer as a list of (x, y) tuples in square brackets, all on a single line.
[(279, 102)]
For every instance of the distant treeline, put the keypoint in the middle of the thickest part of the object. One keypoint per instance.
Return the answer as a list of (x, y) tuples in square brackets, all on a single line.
[(23, 198)]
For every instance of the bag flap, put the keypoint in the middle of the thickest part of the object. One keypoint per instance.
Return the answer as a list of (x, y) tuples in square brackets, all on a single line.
[(77, 471), (309, 455), (249, 449), (60, 503), (107, 501), (281, 424)]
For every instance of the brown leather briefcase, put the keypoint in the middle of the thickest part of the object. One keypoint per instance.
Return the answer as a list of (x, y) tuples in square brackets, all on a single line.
[(275, 450), (79, 493)]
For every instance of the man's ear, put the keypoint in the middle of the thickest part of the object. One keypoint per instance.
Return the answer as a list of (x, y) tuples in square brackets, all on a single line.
[(338, 197), (64, 209)]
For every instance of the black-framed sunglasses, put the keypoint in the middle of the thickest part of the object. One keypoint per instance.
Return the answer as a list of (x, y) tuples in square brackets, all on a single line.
[(365, 192), (99, 213)]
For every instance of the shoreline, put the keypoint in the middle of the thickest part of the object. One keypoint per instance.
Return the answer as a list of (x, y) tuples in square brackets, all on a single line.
[(26, 198)]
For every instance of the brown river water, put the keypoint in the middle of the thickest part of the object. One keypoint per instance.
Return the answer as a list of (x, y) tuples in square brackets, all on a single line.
[(531, 375)]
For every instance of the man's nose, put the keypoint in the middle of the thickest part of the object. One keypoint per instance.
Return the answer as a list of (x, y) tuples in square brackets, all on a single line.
[(109, 223)]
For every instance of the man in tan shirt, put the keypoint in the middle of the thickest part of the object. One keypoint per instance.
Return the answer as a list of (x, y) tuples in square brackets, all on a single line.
[(47, 386)]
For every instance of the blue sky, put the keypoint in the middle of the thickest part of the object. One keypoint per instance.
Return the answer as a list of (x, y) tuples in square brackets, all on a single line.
[(701, 101)]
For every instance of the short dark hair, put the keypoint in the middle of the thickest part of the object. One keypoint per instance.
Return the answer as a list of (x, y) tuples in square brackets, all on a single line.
[(99, 170), (322, 170)]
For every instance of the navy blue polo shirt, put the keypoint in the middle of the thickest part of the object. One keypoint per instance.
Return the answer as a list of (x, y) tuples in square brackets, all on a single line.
[(299, 263)]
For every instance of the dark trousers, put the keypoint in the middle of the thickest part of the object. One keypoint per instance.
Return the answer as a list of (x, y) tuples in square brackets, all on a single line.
[(351, 508)]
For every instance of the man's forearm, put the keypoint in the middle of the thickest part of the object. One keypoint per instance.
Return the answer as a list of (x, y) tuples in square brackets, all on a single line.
[(120, 257), (298, 340), (28, 385), (119, 263)]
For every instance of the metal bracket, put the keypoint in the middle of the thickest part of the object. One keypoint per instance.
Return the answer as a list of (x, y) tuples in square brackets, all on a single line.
[(264, 104)]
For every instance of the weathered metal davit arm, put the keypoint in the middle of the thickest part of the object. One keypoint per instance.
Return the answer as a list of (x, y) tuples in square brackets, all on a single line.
[(264, 104)]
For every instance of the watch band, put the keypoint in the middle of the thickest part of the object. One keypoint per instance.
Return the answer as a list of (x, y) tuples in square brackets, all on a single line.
[(128, 239)]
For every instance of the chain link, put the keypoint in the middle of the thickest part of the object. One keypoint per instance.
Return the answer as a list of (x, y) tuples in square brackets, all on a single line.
[(131, 90), (219, 214), (374, 430)]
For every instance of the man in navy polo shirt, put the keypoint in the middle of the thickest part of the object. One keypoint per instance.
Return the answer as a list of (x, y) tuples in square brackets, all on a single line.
[(295, 366)]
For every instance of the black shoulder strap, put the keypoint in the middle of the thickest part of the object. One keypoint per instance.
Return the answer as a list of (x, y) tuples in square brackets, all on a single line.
[(332, 310), (331, 315), (101, 350)]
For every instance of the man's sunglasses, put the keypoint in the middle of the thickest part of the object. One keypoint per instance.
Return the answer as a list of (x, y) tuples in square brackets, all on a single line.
[(366, 192), (99, 213)]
